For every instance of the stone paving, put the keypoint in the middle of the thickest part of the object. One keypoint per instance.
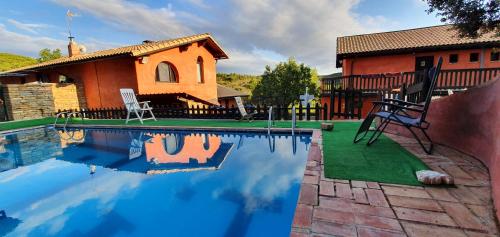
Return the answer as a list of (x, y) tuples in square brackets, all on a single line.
[(330, 207)]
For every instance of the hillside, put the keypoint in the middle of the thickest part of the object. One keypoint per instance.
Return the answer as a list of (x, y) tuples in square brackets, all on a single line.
[(245, 83), (10, 61)]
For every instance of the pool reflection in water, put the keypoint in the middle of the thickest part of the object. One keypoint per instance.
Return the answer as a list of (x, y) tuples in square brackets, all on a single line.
[(149, 182)]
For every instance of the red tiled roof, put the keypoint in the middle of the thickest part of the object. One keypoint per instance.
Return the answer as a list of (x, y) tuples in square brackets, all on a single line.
[(132, 50), (443, 36)]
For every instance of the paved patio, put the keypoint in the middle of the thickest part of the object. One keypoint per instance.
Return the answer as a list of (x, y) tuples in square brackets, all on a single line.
[(329, 207)]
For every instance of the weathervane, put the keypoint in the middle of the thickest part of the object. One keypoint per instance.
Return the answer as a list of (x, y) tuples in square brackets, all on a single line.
[(69, 18)]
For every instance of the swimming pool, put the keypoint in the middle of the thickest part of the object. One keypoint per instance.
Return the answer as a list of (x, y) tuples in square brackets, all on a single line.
[(110, 182)]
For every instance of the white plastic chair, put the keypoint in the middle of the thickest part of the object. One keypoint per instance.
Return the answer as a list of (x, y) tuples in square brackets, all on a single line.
[(135, 107), (243, 112)]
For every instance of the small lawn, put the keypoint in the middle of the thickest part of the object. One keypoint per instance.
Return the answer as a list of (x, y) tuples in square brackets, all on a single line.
[(385, 161), (25, 123)]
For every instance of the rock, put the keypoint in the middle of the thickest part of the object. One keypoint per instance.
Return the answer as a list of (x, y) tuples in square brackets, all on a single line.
[(433, 177), (327, 126)]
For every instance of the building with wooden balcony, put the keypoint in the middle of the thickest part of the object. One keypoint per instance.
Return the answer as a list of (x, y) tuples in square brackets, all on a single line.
[(383, 61)]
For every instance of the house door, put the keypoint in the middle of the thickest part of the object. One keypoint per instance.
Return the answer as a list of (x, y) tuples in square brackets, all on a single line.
[(422, 65), (425, 62)]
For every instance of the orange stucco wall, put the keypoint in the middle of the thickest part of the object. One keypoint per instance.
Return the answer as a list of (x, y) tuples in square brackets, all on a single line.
[(101, 79), (406, 62), (185, 64)]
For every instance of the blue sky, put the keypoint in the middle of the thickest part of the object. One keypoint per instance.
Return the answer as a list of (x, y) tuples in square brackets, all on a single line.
[(254, 33)]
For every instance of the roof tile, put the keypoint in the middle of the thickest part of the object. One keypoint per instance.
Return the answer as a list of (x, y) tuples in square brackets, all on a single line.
[(434, 36), (132, 50)]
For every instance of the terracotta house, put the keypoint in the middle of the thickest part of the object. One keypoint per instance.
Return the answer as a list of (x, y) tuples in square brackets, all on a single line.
[(370, 59), (181, 70), (414, 50)]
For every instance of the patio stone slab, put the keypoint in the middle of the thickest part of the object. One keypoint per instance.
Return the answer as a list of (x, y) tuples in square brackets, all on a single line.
[(358, 184), (335, 229), (420, 230), (463, 216), (343, 190), (376, 198), (333, 207), (308, 194), (326, 188), (441, 194), (429, 217), (303, 216), (415, 203), (406, 192), (360, 196), (364, 231)]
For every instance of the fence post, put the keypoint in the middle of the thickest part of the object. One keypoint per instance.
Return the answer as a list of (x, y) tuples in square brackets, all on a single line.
[(325, 111), (308, 112), (360, 103), (300, 112), (317, 112)]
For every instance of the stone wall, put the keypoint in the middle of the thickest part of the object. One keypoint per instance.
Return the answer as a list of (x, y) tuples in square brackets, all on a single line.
[(35, 100), (65, 96)]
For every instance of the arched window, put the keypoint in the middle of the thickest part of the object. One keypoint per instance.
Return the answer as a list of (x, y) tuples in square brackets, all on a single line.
[(199, 70), (166, 72)]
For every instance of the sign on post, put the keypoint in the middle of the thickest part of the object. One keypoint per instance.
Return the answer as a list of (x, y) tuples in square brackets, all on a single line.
[(306, 98)]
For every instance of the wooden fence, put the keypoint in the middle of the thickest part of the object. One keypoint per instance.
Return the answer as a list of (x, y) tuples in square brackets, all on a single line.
[(448, 79), (345, 104), (310, 112)]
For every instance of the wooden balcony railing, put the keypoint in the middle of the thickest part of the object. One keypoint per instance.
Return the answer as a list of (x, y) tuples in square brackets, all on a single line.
[(448, 79)]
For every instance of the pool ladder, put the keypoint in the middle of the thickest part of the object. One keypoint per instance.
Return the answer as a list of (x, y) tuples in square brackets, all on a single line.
[(270, 120), (68, 114)]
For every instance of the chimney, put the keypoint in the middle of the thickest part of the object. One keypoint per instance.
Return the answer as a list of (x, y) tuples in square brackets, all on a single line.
[(73, 48)]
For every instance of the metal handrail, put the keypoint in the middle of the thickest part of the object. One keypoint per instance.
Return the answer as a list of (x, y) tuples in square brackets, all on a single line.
[(269, 120), (69, 114), (294, 120)]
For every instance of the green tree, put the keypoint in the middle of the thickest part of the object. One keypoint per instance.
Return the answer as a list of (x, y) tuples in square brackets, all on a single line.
[(47, 54), (471, 18), (285, 83)]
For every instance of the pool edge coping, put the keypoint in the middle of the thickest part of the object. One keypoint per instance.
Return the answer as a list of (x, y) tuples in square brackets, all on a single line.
[(151, 127)]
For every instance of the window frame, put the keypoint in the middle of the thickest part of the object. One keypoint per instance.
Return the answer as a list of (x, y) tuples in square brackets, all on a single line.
[(200, 70), (470, 57), (497, 55), (172, 68), (453, 54)]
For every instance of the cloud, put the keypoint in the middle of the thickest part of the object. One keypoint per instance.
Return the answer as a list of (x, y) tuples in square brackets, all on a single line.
[(301, 29), (26, 44), (29, 27), (199, 3), (247, 62), (124, 15), (292, 28), (30, 45)]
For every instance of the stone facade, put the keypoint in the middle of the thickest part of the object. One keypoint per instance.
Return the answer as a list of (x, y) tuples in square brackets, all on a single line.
[(35, 100), (67, 96)]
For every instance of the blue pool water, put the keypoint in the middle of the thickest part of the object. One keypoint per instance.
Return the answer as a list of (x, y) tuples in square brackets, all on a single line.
[(112, 182)]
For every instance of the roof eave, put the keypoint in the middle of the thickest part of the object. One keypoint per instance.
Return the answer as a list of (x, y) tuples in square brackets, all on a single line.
[(341, 56)]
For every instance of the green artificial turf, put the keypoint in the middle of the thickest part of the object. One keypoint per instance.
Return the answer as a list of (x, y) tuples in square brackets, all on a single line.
[(384, 161), (160, 122), (25, 123)]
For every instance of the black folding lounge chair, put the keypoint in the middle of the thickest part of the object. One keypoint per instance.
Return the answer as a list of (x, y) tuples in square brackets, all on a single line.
[(396, 112)]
